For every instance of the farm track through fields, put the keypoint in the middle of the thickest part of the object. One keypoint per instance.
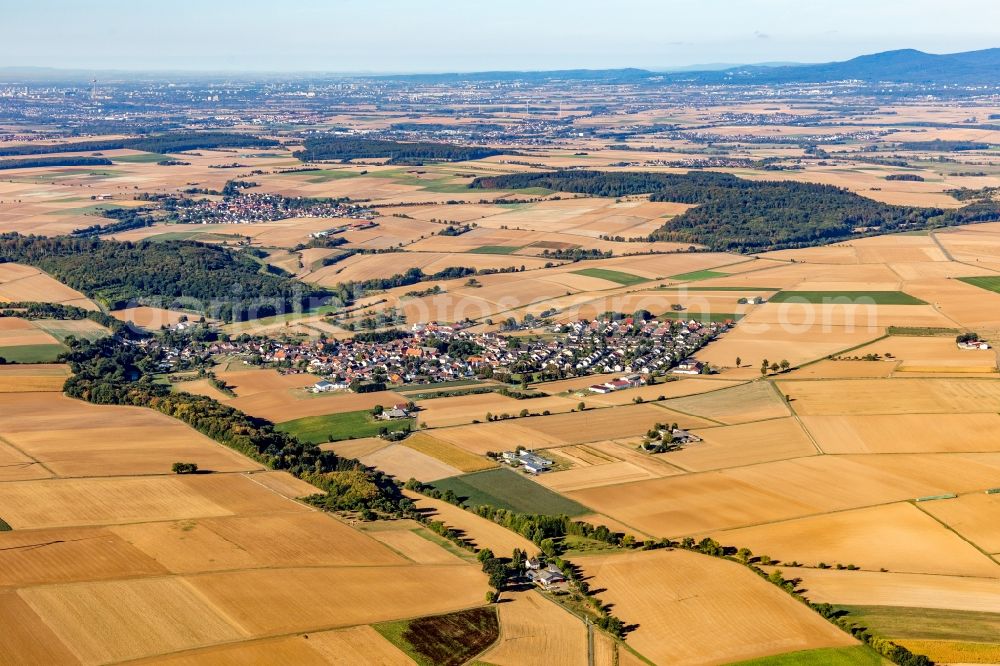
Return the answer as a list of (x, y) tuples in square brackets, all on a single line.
[(7, 442)]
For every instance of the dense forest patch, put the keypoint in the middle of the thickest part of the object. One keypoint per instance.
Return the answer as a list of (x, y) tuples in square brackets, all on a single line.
[(352, 148), (225, 284), (733, 214), (173, 142)]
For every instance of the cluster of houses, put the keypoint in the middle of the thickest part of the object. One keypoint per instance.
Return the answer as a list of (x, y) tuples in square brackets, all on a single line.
[(434, 353), (973, 344), (250, 207), (588, 347)]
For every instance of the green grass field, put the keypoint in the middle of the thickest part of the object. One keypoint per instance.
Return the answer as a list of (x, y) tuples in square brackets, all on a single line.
[(496, 249), (922, 331), (141, 158), (697, 275), (32, 353), (684, 287), (4, 527), (876, 297), (335, 427), (420, 388), (895, 622), (625, 279), (860, 655), (505, 489), (58, 329), (93, 209), (987, 282), (324, 175)]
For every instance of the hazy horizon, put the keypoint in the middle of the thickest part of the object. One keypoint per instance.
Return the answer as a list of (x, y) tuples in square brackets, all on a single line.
[(393, 36)]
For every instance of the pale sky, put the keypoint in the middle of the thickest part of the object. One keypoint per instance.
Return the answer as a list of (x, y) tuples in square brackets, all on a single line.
[(454, 35)]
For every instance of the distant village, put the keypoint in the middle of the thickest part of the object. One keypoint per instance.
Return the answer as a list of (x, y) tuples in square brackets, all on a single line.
[(435, 353)]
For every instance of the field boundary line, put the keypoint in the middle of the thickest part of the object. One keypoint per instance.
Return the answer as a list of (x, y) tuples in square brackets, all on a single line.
[(11, 444), (717, 531), (954, 531)]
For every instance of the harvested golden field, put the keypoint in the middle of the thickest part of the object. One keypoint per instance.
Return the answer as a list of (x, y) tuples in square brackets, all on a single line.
[(119, 500), (276, 601), (975, 517), (894, 396), (356, 645), (562, 429), (356, 448), (954, 652), (284, 484), (695, 609), (484, 533), (535, 631), (774, 342), (24, 283), (749, 402), (447, 453), (829, 369), (414, 547), (462, 409), (881, 537), (289, 650), (931, 354), (303, 538), (34, 377), (200, 387), (583, 455), (16, 332), (62, 555), (75, 438), (875, 588), (594, 476), (27, 639), (746, 444), (16, 466), (117, 620), (406, 463), (252, 381), (290, 404), (782, 490), (628, 450), (153, 319), (668, 390), (924, 433)]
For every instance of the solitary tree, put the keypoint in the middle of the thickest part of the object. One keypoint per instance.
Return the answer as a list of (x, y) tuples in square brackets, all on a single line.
[(739, 361)]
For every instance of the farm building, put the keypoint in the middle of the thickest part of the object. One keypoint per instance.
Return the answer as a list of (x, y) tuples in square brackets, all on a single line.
[(688, 367)]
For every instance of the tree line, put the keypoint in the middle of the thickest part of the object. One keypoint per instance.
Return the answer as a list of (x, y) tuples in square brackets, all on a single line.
[(69, 160)]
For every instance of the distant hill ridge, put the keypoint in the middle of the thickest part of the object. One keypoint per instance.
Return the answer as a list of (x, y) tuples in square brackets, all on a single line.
[(901, 66)]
